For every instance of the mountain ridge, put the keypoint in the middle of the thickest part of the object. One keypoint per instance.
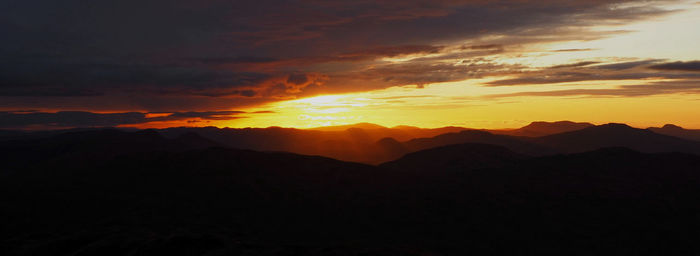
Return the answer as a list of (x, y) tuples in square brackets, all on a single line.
[(371, 146), (217, 200)]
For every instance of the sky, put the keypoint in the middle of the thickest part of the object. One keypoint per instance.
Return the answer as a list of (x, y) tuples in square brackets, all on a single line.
[(309, 63)]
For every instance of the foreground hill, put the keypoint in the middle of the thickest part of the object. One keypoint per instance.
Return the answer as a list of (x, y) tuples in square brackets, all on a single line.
[(78, 147), (453, 200), (456, 157)]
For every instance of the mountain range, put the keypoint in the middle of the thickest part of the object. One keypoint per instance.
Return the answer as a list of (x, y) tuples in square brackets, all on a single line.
[(373, 144), (607, 189), (139, 193)]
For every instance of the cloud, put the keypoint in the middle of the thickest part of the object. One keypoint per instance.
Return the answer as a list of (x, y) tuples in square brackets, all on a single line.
[(229, 60), (678, 66), (162, 55), (422, 73), (577, 64), (626, 65), (692, 87), (208, 115), (297, 79), (574, 50), (405, 97), (71, 119), (68, 119), (595, 71), (567, 77), (391, 51), (50, 77), (484, 47)]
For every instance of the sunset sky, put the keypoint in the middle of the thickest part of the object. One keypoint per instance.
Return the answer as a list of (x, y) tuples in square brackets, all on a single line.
[(309, 63)]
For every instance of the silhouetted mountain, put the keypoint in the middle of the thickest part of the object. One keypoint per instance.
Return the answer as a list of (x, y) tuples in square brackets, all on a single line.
[(677, 131), (23, 135), (617, 135), (515, 144), (454, 200), (401, 132), (347, 143), (388, 149), (92, 145), (468, 156), (371, 145), (415, 132), (183, 203), (538, 129), (192, 140), (366, 126), (4, 134), (364, 145)]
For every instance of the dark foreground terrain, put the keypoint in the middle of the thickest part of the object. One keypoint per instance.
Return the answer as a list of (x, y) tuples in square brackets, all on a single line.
[(107, 192)]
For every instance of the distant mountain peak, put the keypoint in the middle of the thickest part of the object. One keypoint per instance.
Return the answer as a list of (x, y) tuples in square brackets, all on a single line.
[(366, 125), (616, 125), (618, 135), (481, 132), (611, 129), (557, 123), (387, 140), (405, 127), (349, 126), (677, 131), (543, 128), (672, 126)]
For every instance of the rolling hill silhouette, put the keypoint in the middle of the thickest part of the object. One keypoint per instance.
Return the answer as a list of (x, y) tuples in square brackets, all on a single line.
[(373, 144), (468, 156), (538, 129), (150, 195), (517, 144), (677, 131), (357, 143), (617, 135), (401, 132), (365, 126), (92, 145)]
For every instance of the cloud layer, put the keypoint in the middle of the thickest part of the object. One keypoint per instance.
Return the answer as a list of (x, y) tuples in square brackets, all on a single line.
[(205, 56), (70, 119)]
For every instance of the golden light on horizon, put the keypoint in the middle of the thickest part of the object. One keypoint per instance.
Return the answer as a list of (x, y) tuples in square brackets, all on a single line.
[(471, 103), (445, 105)]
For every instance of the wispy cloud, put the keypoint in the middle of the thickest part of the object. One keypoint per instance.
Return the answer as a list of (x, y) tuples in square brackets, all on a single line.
[(69, 119), (659, 88), (693, 66)]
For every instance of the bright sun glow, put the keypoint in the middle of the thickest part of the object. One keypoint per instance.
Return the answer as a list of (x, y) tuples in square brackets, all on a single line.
[(325, 100), (470, 103)]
